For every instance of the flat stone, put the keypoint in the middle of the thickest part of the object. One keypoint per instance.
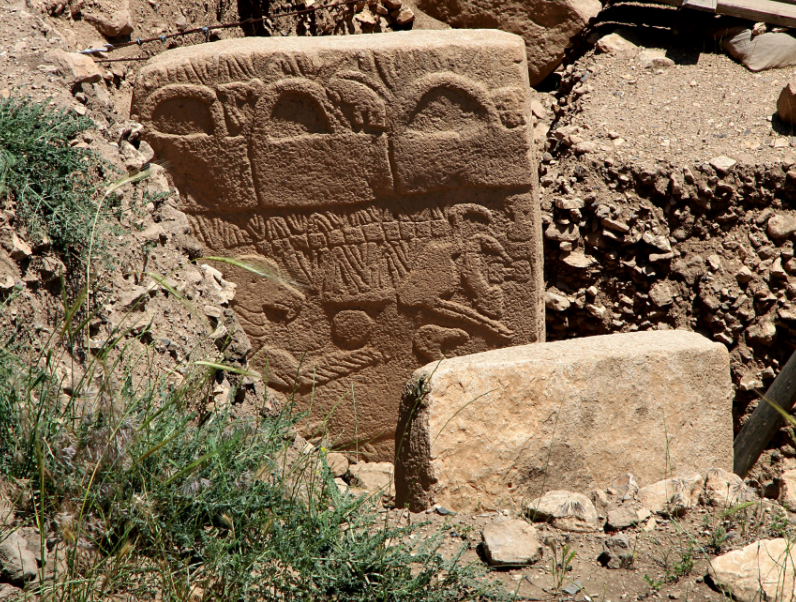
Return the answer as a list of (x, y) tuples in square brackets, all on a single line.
[(562, 232), (354, 188), (73, 67), (112, 21), (481, 433), (511, 542), (763, 332), (374, 476), (722, 164), (725, 489), (579, 260), (564, 510), (672, 496), (621, 518), (763, 570)]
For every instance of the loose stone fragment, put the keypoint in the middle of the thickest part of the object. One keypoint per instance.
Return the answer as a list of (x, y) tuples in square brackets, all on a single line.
[(781, 226), (724, 488), (617, 553), (621, 518), (564, 510), (763, 570), (672, 496), (374, 476), (511, 542)]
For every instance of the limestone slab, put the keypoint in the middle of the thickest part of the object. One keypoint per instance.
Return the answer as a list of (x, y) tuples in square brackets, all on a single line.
[(387, 186), (507, 425), (763, 570)]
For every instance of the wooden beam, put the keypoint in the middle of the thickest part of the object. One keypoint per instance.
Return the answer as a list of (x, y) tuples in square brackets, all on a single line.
[(767, 11), (765, 421), (703, 5)]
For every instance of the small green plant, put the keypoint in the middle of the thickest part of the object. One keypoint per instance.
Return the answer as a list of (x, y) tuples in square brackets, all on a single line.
[(684, 566), (560, 563), (655, 584), (51, 183)]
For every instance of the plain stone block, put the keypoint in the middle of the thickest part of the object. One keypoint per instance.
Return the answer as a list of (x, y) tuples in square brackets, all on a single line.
[(494, 428)]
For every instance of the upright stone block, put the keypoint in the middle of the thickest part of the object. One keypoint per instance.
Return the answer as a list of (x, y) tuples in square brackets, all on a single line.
[(388, 179), (500, 427)]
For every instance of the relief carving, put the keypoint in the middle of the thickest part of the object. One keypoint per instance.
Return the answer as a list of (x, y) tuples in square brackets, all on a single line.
[(387, 180)]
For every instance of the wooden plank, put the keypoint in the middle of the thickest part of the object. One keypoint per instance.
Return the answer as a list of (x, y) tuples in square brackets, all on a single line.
[(768, 11), (703, 5), (765, 421)]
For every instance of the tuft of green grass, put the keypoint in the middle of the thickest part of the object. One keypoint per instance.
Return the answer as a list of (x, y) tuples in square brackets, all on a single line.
[(51, 183)]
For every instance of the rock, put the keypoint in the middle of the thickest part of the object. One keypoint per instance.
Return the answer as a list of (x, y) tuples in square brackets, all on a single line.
[(723, 488), (133, 296), (562, 233), (538, 110), (654, 58), (660, 294), (19, 249), (758, 52), (547, 27), (787, 496), (617, 552), (621, 518), (722, 164), (672, 496), (781, 226), (511, 542), (17, 562), (786, 103), (764, 332), (51, 268), (181, 23), (73, 67), (556, 302), (578, 260), (609, 395), (743, 275), (262, 184), (763, 570), (113, 22), (615, 44), (569, 204), (374, 476), (9, 593), (625, 486), (564, 510), (405, 16), (338, 464)]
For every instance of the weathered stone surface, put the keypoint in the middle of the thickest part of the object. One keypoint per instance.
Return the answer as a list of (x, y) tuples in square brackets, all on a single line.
[(564, 510), (763, 570), (374, 476), (547, 27), (615, 44), (338, 464), (511, 542), (618, 552), (781, 226), (477, 428), (621, 518), (388, 181), (723, 488), (73, 67), (112, 21), (672, 496), (17, 562), (787, 496), (625, 486)]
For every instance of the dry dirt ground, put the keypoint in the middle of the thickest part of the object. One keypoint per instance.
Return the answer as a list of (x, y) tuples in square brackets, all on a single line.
[(648, 128)]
